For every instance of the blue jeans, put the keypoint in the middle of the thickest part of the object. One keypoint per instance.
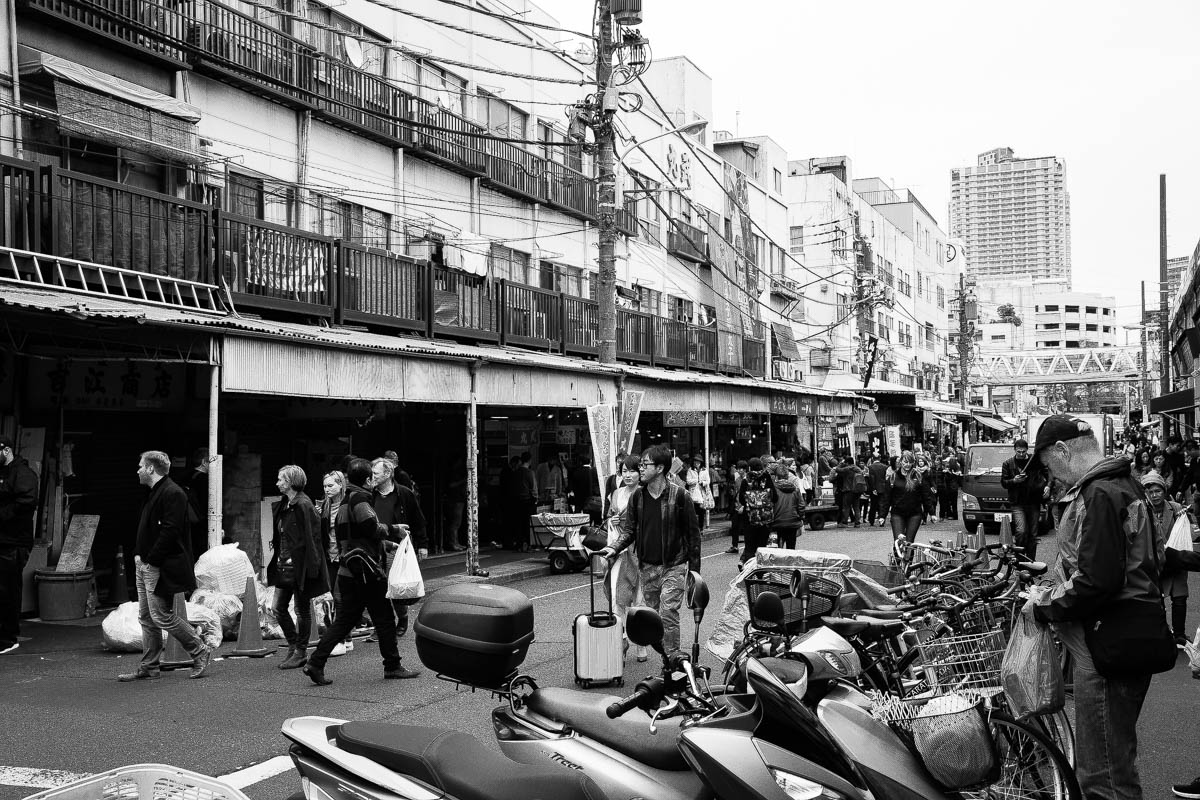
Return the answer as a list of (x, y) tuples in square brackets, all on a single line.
[(1025, 528), (157, 614), (1106, 715)]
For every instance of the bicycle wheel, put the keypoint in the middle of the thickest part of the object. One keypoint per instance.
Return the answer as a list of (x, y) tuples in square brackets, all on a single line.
[(1032, 768), (1057, 727)]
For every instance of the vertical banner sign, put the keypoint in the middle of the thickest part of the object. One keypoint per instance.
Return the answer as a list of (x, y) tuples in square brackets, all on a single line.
[(728, 316), (892, 432), (734, 211), (604, 443), (631, 409)]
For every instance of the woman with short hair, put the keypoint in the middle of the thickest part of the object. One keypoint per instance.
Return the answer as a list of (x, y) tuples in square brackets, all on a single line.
[(297, 568)]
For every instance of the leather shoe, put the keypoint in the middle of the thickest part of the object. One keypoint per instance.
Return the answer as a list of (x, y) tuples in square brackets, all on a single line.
[(400, 673), (200, 663), (317, 676), (296, 658), (140, 675)]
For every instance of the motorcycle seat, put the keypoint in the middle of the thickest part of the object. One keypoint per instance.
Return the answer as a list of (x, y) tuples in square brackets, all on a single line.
[(865, 628), (460, 765), (629, 734), (1034, 567)]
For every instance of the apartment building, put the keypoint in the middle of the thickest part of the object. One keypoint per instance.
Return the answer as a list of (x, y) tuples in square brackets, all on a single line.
[(1014, 214), (290, 233)]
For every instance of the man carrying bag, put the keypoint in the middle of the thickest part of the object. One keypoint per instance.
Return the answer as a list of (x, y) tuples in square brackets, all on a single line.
[(1107, 607)]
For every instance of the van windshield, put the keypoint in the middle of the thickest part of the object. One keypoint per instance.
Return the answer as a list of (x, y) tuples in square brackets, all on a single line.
[(984, 460)]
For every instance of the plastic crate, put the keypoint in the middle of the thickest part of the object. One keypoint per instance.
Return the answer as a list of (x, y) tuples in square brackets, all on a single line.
[(144, 782)]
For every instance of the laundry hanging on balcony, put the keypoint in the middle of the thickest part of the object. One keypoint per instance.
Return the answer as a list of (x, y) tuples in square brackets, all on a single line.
[(105, 108)]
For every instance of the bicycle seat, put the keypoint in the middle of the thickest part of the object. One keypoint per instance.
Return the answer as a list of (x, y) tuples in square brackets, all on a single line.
[(460, 765), (886, 612), (1034, 567), (630, 734), (865, 628)]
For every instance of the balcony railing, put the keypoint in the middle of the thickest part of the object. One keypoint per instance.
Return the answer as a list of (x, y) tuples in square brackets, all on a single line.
[(362, 102), (20, 206), (510, 167), (275, 267), (251, 54), (380, 288), (687, 242), (581, 326), (448, 138), (122, 226), (627, 222), (532, 317), (670, 342), (465, 306), (702, 348), (155, 30), (635, 336), (570, 190)]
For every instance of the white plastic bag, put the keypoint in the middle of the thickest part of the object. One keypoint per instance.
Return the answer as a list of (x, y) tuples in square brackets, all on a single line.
[(223, 569), (227, 606), (1030, 672), (1192, 649), (122, 632), (404, 577), (1181, 534)]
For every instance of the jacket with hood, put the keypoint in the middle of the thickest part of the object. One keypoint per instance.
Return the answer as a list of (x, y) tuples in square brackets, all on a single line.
[(1109, 551), (788, 503), (1029, 491)]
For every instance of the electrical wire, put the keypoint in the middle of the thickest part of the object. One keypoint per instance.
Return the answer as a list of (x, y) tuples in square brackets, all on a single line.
[(509, 18), (491, 70)]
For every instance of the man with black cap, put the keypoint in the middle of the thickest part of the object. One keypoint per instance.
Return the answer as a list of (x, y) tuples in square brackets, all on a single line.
[(1027, 486), (1107, 572), (18, 501)]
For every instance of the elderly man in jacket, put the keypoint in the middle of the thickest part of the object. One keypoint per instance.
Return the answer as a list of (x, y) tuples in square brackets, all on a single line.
[(163, 561), (1108, 569), (660, 523)]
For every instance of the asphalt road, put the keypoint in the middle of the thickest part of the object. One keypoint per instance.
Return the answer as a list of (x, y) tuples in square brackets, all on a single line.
[(62, 709)]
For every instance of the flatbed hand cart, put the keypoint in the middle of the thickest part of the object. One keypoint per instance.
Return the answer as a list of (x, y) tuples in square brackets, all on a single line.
[(559, 535), (821, 510)]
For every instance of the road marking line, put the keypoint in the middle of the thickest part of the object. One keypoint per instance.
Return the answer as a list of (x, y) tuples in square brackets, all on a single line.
[(256, 773), (585, 585), (38, 778)]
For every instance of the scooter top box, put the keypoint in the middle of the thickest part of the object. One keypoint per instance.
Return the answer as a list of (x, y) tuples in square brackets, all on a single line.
[(476, 633)]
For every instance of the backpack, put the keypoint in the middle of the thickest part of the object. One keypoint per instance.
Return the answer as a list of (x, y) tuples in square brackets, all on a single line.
[(860, 480), (760, 510)]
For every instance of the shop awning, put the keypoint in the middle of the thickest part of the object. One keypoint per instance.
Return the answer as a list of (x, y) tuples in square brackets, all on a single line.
[(938, 408), (107, 109), (945, 419), (1175, 401), (847, 382), (992, 423), (785, 341)]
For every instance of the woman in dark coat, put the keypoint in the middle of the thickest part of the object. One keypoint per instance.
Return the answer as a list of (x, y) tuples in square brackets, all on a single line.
[(298, 567), (912, 498)]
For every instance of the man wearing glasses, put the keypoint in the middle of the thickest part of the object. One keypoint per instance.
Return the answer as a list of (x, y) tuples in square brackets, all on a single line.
[(18, 501), (660, 523)]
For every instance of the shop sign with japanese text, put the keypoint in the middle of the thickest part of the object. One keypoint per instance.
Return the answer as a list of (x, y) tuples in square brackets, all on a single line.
[(785, 404), (683, 419), (738, 419), (108, 385)]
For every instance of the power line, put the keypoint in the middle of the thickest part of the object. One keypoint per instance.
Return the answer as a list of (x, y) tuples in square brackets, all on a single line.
[(509, 18), (491, 70)]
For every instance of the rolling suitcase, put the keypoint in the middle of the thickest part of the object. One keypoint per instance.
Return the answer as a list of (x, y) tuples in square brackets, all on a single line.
[(599, 645)]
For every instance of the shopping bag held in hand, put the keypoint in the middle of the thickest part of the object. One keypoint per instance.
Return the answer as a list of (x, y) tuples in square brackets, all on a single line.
[(1030, 671), (404, 578)]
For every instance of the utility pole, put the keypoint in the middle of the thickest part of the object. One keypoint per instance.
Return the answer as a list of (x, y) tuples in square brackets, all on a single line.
[(964, 341), (1145, 361), (606, 185), (1164, 386)]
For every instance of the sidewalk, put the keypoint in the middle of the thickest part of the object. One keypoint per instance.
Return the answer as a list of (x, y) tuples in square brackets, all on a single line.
[(503, 567)]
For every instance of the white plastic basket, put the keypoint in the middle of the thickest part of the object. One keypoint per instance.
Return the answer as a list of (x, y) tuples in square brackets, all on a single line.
[(144, 782)]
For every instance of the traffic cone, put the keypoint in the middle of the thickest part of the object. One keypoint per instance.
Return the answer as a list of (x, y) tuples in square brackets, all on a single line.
[(1006, 536), (175, 657), (118, 592), (249, 640)]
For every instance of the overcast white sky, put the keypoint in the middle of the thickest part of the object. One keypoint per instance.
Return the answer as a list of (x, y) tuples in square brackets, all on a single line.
[(911, 89)]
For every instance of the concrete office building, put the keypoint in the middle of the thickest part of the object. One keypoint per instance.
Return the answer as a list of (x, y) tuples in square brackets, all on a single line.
[(1015, 216)]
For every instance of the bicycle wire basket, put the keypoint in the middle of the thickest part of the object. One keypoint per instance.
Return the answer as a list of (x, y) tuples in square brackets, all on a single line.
[(143, 782), (949, 734), (885, 576), (825, 588), (963, 663)]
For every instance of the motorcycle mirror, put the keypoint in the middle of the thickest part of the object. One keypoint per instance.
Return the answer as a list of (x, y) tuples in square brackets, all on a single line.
[(696, 591), (799, 585), (644, 627), (768, 608)]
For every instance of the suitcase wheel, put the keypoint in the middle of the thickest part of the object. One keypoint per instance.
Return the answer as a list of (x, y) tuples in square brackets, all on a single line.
[(585, 684), (619, 682)]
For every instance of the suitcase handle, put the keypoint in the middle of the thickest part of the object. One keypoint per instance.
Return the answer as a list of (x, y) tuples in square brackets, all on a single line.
[(592, 586)]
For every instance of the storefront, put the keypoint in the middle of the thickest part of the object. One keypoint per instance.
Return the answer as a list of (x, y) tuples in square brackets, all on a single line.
[(1178, 412)]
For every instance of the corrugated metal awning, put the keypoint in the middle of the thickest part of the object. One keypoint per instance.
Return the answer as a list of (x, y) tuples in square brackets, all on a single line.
[(998, 425), (785, 341)]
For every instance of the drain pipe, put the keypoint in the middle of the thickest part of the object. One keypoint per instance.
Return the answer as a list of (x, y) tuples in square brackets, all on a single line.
[(15, 65)]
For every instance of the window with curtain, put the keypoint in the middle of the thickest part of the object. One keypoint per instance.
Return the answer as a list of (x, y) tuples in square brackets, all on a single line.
[(499, 117), (509, 264)]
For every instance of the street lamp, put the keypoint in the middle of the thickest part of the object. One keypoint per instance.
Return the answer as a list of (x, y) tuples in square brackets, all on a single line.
[(606, 186)]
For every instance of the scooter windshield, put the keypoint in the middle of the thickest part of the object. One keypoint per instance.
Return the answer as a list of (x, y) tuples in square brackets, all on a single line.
[(790, 724)]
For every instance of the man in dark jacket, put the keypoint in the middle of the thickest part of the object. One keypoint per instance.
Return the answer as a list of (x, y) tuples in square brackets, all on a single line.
[(163, 560), (788, 507), (517, 536), (1109, 561), (361, 579), (877, 485), (660, 523), (851, 480), (18, 502), (1027, 485)]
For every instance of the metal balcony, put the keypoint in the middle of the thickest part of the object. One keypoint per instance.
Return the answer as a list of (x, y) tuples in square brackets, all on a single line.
[(687, 242)]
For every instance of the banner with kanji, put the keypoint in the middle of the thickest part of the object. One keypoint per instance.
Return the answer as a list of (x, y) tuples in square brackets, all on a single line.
[(601, 419), (631, 409)]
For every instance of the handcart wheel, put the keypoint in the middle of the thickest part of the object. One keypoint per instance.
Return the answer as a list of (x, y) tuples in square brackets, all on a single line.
[(816, 522), (559, 562)]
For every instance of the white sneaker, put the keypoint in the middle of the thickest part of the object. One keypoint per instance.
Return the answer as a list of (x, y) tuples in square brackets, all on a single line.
[(10, 648), (339, 649), (349, 645)]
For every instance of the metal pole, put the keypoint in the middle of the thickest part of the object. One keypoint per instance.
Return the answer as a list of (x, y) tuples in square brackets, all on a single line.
[(1145, 361), (1164, 339), (707, 418), (963, 345), (216, 470), (606, 184), (473, 476)]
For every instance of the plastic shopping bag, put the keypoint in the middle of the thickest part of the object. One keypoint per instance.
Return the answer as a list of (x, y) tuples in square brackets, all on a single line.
[(1192, 649), (404, 578), (1030, 671), (1181, 534)]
